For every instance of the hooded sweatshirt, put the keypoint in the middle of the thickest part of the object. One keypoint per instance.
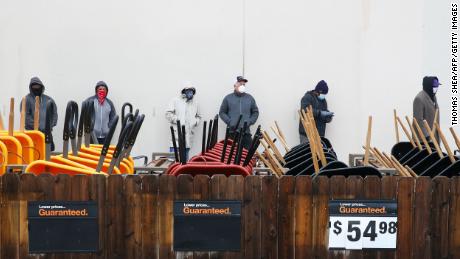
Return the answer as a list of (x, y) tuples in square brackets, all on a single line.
[(104, 113), (187, 112), (425, 105), (318, 105), (236, 104), (30, 107)]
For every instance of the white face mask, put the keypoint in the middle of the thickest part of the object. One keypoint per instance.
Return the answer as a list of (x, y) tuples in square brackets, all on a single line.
[(322, 96), (435, 89), (242, 88)]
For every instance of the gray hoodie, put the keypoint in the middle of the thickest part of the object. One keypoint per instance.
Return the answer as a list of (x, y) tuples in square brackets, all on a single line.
[(104, 114), (236, 104)]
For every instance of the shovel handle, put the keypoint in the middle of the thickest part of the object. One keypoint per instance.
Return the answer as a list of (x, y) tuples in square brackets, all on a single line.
[(444, 141), (457, 140), (406, 132), (368, 141), (37, 113), (435, 142), (23, 115), (414, 134), (422, 136), (396, 125)]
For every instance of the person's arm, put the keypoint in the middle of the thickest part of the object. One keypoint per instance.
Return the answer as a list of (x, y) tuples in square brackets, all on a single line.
[(308, 101), (29, 122), (55, 114), (417, 113), (171, 112), (254, 112), (223, 112), (113, 112), (197, 115)]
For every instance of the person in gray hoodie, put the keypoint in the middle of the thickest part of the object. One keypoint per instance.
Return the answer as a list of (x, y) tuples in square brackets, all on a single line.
[(37, 88), (104, 111), (425, 103), (239, 103)]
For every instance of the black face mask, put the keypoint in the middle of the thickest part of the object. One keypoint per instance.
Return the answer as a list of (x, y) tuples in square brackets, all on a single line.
[(37, 91)]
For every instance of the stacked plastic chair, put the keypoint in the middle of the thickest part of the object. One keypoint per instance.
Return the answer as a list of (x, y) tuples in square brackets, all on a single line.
[(227, 156)]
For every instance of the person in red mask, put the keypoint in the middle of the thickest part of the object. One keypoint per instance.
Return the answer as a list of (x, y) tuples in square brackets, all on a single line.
[(104, 111)]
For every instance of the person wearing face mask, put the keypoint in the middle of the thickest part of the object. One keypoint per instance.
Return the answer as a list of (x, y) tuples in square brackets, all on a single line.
[(425, 103), (37, 88), (104, 111), (239, 103), (184, 108), (317, 100)]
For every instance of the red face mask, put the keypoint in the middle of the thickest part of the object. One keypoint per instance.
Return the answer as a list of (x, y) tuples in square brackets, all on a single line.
[(101, 95)]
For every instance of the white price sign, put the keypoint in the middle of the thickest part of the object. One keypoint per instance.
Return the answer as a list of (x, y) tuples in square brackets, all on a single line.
[(357, 225)]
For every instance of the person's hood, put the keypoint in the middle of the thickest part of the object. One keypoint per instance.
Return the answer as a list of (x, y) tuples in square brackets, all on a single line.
[(35, 81), (428, 86), (101, 83)]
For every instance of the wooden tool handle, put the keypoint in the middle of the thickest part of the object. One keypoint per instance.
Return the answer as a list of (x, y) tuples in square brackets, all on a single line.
[(314, 130), (280, 138), (436, 114), (457, 140), (23, 115), (280, 131), (444, 141), (11, 119), (368, 140), (37, 113), (422, 136), (2, 127), (433, 139), (414, 134), (406, 132), (396, 125)]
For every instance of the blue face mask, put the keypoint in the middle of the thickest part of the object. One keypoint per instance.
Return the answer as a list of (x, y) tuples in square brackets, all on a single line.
[(189, 95), (322, 96)]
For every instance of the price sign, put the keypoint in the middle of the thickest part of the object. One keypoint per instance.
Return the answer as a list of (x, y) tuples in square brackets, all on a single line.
[(362, 224)]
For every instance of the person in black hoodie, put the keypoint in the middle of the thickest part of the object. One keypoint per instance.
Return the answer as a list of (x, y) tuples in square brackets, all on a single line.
[(317, 99), (425, 103), (37, 88)]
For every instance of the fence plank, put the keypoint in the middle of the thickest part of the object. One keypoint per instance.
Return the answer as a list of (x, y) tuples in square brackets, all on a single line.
[(165, 207), (372, 191), (150, 187), (303, 217), (133, 228), (98, 193), (115, 215), (10, 217), (62, 186), (440, 217), (235, 191), (337, 191), (269, 217), (28, 191), (454, 219), (389, 191), (320, 216), (80, 191), (422, 215), (405, 215), (45, 184), (202, 191), (184, 192), (286, 227), (355, 190)]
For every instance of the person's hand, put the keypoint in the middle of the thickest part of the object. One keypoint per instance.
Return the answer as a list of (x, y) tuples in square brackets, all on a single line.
[(327, 114)]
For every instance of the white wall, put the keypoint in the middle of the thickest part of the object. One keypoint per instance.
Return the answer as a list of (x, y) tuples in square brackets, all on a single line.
[(372, 53)]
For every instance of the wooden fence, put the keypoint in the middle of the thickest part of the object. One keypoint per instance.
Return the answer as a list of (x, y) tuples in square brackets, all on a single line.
[(282, 218)]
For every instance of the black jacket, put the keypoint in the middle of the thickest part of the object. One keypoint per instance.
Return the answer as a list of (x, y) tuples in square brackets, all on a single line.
[(318, 105)]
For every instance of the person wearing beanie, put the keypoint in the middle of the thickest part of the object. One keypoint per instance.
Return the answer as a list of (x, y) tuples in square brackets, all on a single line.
[(317, 100), (184, 108), (425, 103), (239, 103), (104, 111), (37, 88)]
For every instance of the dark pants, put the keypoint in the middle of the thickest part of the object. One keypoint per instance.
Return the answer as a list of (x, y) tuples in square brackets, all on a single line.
[(101, 140)]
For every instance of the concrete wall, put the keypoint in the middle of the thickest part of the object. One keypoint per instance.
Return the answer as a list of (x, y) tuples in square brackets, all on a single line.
[(372, 53)]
